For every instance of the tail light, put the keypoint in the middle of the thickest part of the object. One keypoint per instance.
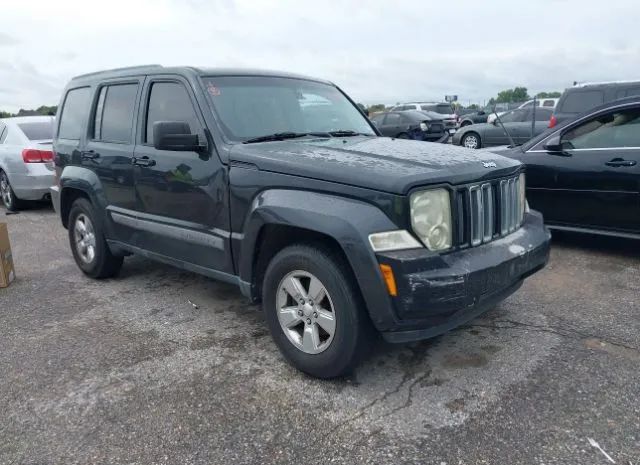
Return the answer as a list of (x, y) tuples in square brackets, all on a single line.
[(37, 156), (553, 121)]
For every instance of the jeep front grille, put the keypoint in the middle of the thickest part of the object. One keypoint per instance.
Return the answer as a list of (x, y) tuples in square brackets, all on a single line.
[(488, 210)]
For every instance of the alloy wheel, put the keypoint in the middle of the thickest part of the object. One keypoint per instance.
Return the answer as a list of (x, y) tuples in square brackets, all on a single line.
[(471, 141), (5, 191), (305, 312), (85, 238)]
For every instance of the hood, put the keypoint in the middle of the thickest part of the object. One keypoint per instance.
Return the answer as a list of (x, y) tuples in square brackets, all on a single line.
[(380, 163)]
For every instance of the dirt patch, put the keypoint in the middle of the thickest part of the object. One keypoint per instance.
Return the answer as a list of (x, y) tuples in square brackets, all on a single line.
[(463, 360)]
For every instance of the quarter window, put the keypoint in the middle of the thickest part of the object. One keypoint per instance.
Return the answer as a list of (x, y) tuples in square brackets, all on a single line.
[(611, 130), (577, 102), (169, 101), (114, 113), (74, 114)]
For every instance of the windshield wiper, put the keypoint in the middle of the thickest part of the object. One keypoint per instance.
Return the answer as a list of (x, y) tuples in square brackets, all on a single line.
[(284, 135), (347, 133)]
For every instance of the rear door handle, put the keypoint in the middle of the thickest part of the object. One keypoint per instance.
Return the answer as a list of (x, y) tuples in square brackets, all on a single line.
[(143, 161), (620, 162), (89, 155)]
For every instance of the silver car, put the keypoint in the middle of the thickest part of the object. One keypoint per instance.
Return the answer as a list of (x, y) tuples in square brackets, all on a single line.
[(26, 159)]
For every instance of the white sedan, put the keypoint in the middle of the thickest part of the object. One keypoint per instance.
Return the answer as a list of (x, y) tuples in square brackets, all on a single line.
[(26, 159)]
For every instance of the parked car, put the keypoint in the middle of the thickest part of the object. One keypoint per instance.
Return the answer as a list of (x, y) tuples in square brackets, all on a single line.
[(237, 175), (416, 125), (478, 117), (544, 103), (584, 174), (583, 97), (449, 116), (516, 122), (26, 159)]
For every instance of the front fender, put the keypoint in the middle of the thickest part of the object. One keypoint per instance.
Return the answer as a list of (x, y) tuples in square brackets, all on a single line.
[(348, 221)]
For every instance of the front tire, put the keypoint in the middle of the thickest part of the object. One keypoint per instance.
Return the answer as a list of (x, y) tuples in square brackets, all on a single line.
[(315, 312), (471, 140), (9, 199), (88, 244)]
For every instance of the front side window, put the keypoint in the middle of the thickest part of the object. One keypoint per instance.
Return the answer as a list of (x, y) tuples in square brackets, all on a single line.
[(114, 113), (611, 130), (255, 106), (377, 119), (169, 101), (74, 113)]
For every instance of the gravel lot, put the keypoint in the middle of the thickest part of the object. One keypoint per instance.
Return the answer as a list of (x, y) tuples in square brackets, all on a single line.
[(128, 371)]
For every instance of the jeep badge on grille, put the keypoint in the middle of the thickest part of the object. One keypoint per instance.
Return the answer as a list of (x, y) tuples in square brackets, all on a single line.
[(489, 164)]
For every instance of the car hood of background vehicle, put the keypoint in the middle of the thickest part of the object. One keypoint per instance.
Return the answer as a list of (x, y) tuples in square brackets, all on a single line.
[(380, 163)]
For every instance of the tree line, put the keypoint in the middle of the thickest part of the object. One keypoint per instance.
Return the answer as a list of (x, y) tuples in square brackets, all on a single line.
[(41, 110)]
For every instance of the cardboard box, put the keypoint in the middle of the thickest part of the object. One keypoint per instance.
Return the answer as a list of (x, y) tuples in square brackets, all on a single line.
[(7, 273)]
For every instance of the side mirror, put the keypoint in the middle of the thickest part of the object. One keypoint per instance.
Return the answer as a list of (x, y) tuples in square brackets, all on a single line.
[(174, 135), (553, 144)]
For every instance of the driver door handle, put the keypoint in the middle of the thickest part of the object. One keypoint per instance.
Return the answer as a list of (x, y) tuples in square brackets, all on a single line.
[(143, 161), (620, 162), (89, 155)]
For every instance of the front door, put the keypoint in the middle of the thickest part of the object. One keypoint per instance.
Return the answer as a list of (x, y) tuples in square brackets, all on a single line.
[(183, 195), (594, 181)]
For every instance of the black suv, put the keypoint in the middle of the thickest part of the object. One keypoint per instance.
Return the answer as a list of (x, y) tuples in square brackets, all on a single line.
[(278, 183), (583, 97)]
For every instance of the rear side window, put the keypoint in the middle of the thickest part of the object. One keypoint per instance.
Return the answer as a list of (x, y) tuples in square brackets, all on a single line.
[(169, 101), (578, 102), (74, 113), (114, 113), (392, 118), (548, 103), (41, 130)]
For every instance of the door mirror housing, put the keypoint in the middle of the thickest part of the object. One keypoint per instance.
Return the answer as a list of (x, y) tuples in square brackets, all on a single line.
[(176, 136), (554, 144)]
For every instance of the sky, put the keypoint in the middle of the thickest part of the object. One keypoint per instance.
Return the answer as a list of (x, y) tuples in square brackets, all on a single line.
[(378, 51)]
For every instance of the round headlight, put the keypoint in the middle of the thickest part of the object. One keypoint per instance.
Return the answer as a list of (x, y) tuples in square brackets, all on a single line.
[(431, 218)]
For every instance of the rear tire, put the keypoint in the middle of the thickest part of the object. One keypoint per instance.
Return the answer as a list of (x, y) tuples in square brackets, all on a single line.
[(88, 244), (9, 199), (342, 343)]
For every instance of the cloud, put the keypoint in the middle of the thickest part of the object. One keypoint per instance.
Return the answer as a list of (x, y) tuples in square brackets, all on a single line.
[(377, 51)]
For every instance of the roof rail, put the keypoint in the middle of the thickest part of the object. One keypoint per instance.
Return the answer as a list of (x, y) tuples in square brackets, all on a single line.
[(598, 83), (114, 70)]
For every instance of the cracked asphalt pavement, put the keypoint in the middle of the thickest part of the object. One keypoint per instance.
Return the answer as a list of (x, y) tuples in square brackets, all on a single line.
[(127, 370)]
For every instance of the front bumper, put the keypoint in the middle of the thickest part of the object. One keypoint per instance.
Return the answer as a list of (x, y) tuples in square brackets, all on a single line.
[(437, 292)]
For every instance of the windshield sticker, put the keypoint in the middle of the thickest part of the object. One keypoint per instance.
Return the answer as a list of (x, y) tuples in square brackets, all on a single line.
[(213, 90)]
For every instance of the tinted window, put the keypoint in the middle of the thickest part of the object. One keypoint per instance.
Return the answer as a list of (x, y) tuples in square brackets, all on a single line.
[(548, 103), (414, 116), (169, 101), (618, 129), (392, 119), (74, 113), (577, 102), (542, 114), (377, 118), (442, 108), (41, 130), (114, 113)]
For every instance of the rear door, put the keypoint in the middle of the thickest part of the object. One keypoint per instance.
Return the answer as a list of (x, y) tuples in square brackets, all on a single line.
[(512, 121), (110, 144), (392, 125), (594, 181)]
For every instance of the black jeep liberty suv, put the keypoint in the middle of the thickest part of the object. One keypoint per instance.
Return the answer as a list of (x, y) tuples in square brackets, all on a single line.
[(279, 183)]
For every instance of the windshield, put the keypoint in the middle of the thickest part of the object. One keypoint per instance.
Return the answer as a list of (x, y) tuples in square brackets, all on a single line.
[(254, 106), (41, 130)]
